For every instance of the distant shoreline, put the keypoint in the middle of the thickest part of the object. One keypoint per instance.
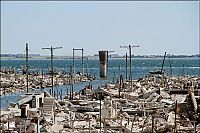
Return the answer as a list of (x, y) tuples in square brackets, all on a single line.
[(93, 58)]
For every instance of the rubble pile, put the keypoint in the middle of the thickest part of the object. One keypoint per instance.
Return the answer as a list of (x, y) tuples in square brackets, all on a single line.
[(155, 103)]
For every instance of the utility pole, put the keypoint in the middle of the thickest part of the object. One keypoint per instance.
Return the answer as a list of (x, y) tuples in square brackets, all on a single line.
[(130, 77), (52, 72), (27, 67), (76, 49)]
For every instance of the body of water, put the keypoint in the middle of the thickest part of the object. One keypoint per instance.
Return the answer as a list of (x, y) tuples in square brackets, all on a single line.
[(140, 68)]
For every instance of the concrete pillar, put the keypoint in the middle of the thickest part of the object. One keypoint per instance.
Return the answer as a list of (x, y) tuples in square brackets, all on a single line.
[(103, 58)]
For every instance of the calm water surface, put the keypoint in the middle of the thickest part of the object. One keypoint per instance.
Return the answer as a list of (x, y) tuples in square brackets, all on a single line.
[(140, 67)]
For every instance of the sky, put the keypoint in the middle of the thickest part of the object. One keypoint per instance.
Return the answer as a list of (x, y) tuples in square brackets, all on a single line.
[(156, 26)]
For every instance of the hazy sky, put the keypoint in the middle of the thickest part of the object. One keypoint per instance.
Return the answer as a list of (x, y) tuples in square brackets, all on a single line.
[(155, 26)]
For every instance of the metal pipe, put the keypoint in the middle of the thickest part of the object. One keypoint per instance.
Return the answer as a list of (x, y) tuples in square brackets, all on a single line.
[(163, 63), (120, 84), (72, 90), (27, 67), (70, 82), (126, 67), (82, 62), (152, 123), (89, 127), (73, 62), (52, 69), (25, 126), (100, 111), (119, 72), (42, 74), (130, 67), (57, 93), (37, 125), (87, 67), (8, 122), (61, 94), (195, 126), (175, 116)]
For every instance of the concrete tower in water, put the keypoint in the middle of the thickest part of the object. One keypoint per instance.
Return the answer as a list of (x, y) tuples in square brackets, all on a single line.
[(103, 58)]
